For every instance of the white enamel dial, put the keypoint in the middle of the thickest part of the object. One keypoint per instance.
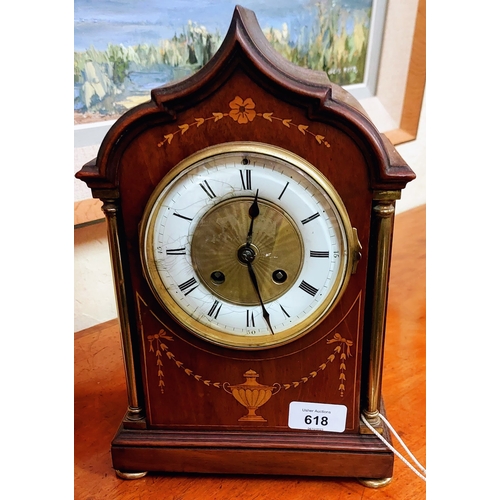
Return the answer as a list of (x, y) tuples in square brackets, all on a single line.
[(246, 245)]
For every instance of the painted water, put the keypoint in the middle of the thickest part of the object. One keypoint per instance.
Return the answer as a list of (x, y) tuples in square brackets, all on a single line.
[(125, 48)]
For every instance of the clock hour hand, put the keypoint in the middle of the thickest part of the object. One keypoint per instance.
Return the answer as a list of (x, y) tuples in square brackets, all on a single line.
[(253, 278), (253, 212)]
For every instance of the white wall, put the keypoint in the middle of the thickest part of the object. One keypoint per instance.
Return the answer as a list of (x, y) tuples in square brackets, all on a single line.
[(414, 154), (94, 294)]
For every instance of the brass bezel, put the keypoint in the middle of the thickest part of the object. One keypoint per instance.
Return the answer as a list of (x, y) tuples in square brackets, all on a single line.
[(239, 342)]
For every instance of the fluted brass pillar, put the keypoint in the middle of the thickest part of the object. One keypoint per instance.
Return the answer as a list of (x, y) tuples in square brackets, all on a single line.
[(383, 213), (110, 209)]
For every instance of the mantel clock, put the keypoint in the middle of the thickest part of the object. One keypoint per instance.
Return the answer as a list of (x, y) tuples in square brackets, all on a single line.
[(250, 211)]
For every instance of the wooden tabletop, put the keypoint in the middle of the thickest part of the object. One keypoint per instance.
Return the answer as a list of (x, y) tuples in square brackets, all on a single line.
[(101, 401)]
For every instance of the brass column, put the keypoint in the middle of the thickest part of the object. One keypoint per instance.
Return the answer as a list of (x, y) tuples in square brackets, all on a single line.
[(383, 212), (110, 209)]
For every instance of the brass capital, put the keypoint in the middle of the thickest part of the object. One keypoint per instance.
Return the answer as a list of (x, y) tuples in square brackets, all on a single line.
[(384, 210)]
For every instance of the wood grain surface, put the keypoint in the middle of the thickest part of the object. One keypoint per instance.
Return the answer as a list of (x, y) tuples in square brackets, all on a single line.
[(101, 401)]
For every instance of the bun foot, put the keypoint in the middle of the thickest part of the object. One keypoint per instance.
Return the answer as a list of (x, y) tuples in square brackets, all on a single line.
[(129, 475), (375, 483)]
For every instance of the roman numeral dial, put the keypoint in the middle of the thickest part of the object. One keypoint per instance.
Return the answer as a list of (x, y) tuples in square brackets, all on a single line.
[(237, 276)]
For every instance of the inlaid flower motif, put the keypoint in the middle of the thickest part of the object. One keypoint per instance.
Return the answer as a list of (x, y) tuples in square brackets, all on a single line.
[(242, 111)]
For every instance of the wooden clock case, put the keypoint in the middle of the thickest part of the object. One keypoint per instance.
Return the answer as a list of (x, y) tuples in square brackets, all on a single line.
[(183, 414)]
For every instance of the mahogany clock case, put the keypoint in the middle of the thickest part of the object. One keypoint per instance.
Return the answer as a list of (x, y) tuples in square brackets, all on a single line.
[(184, 412)]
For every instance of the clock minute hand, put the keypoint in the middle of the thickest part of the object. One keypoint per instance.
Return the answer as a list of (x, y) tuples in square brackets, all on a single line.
[(253, 278)]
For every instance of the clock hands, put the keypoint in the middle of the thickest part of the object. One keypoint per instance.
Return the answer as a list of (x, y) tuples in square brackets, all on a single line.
[(253, 277), (246, 254), (253, 212)]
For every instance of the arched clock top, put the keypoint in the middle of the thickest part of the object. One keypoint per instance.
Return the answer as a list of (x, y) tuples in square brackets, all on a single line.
[(246, 45)]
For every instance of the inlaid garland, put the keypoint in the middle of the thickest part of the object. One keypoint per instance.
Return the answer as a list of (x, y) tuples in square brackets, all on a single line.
[(157, 344), (242, 111)]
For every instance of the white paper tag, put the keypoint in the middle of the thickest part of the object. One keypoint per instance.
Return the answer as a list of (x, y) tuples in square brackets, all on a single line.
[(317, 416)]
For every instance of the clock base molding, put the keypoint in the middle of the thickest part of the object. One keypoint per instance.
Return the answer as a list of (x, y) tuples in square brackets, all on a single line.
[(267, 453)]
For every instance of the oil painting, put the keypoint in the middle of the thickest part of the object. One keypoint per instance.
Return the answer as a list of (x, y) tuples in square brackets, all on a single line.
[(125, 48)]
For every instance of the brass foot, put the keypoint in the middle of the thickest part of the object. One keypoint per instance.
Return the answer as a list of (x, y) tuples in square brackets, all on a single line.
[(375, 483), (129, 475)]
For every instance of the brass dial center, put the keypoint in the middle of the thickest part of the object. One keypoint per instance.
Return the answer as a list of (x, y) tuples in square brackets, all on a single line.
[(220, 254)]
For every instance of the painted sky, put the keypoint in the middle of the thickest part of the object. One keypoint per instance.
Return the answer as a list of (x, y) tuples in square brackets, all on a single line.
[(129, 22)]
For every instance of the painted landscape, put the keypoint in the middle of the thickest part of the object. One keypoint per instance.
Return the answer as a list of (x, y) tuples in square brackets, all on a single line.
[(116, 72)]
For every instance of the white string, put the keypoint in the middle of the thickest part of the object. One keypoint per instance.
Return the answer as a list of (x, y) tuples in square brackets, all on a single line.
[(393, 449), (402, 443)]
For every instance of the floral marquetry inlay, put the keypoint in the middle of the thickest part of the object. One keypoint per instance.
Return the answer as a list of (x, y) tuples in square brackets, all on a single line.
[(159, 347), (260, 393), (343, 350), (243, 111)]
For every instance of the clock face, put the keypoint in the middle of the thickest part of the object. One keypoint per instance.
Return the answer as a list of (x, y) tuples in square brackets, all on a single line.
[(246, 245)]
